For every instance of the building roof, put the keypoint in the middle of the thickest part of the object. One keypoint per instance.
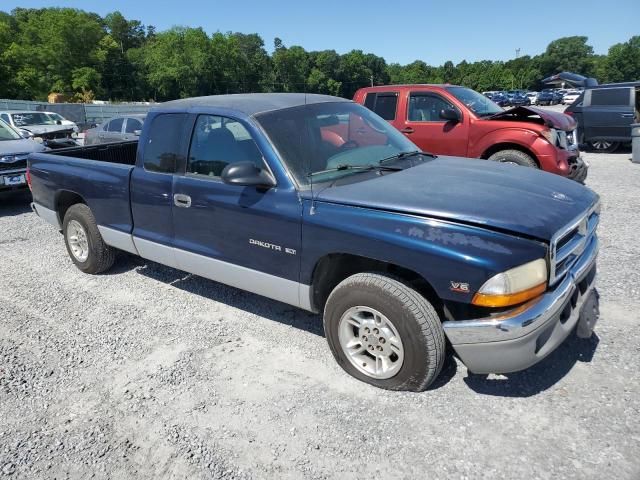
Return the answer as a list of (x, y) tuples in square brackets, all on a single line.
[(251, 103)]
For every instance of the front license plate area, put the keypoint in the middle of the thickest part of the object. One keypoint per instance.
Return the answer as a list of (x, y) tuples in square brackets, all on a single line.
[(589, 313), (11, 180)]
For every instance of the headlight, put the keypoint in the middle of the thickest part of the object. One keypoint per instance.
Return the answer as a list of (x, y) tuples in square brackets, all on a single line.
[(514, 286), (550, 135)]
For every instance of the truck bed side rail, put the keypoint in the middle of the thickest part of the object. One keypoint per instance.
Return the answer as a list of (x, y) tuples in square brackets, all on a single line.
[(121, 152)]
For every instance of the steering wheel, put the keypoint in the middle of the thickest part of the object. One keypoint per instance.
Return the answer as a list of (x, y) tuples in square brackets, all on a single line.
[(348, 145)]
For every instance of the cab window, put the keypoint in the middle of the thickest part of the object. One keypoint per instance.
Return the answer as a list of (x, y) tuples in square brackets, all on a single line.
[(133, 124), (115, 125), (217, 142), (426, 107), (163, 150), (382, 103), (611, 96)]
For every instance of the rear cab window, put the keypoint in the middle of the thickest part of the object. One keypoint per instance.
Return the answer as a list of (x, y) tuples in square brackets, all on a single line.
[(166, 143), (384, 104)]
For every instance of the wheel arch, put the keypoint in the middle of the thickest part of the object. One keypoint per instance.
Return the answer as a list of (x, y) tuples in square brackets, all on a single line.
[(66, 199), (333, 268)]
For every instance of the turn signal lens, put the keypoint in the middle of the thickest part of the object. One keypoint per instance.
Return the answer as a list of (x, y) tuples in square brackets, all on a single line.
[(513, 286)]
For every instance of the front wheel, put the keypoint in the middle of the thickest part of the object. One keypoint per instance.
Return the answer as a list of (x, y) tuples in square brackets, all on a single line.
[(383, 332), (602, 146), (514, 157), (83, 240)]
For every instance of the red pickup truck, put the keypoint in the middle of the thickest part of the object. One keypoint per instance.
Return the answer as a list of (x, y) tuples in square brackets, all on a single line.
[(455, 120)]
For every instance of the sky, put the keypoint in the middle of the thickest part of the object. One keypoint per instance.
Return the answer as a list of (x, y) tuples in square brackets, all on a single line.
[(432, 31)]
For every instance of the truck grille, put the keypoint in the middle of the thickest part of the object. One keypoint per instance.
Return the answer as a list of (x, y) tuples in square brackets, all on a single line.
[(13, 162), (569, 243)]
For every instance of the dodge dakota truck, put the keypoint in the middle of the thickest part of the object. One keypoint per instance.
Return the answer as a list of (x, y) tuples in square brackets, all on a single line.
[(455, 120), (317, 202)]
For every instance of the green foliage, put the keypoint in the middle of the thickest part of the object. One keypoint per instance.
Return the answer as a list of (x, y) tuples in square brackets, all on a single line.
[(83, 55), (623, 62)]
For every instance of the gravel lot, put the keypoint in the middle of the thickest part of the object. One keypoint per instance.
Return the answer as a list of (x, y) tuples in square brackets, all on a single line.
[(149, 373)]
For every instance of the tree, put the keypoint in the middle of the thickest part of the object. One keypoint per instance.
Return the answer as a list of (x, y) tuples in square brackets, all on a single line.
[(571, 54), (623, 62), (178, 63), (291, 68), (52, 42)]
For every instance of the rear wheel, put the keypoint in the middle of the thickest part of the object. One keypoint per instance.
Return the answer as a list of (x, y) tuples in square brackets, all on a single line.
[(383, 332), (602, 146), (514, 157), (83, 240)]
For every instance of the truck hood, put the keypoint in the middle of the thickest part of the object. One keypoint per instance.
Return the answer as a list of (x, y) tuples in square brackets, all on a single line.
[(557, 120), (488, 194)]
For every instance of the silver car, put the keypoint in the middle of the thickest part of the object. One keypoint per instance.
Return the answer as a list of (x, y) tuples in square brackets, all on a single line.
[(118, 129), (14, 150)]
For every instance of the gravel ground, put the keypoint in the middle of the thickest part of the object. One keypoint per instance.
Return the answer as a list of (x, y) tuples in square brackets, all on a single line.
[(147, 372)]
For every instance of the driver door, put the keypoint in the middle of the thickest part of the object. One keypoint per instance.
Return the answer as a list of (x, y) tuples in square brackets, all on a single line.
[(243, 236), (424, 127)]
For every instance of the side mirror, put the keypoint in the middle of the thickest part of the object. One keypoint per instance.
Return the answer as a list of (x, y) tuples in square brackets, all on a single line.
[(58, 122), (137, 132), (450, 114), (247, 174)]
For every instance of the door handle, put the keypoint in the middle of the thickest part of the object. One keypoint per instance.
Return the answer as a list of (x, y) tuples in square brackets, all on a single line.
[(626, 115), (182, 201), (407, 130)]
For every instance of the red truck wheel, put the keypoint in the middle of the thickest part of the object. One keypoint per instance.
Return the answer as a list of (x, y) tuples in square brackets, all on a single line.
[(515, 157)]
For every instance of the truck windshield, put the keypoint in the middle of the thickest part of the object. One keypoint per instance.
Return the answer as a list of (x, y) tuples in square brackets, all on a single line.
[(8, 133), (326, 141), (477, 103)]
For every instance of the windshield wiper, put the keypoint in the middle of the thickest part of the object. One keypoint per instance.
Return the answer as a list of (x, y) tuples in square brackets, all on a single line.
[(360, 168), (401, 155)]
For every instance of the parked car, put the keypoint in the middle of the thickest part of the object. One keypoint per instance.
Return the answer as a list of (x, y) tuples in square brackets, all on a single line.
[(60, 120), (547, 97), (40, 126), (454, 120), (118, 129), (558, 96), (501, 99), (518, 99), (318, 202), (14, 149), (533, 97), (605, 113), (570, 97)]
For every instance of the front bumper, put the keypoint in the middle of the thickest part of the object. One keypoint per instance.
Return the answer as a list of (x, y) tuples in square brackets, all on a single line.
[(522, 337), (578, 169)]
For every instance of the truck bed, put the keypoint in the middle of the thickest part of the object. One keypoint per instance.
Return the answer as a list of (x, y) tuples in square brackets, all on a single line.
[(97, 175), (121, 152)]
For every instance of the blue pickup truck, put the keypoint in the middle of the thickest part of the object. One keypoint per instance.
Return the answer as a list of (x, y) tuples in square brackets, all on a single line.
[(317, 202)]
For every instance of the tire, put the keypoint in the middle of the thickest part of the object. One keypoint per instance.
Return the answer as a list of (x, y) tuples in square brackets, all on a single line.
[(416, 325), (81, 236), (602, 146), (515, 157)]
